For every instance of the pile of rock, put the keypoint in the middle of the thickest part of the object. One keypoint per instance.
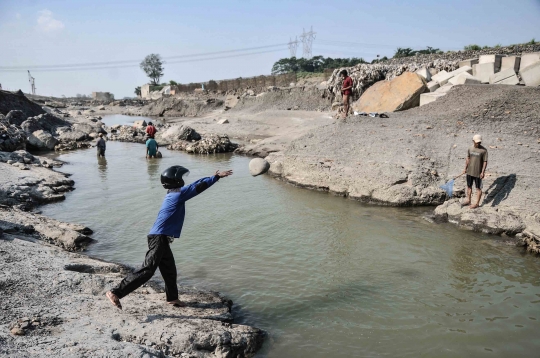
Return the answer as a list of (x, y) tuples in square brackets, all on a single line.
[(492, 69), (12, 137), (210, 144)]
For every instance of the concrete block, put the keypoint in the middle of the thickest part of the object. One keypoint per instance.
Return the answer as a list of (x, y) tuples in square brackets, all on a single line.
[(491, 58), (433, 71), (512, 80), (432, 86), (510, 62), (426, 98), (423, 72), (464, 69), (443, 89), (531, 74), (470, 62), (464, 78), (442, 77), (483, 71), (528, 59), (502, 75)]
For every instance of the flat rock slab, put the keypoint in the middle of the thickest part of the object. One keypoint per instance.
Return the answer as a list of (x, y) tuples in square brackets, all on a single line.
[(68, 315), (401, 93)]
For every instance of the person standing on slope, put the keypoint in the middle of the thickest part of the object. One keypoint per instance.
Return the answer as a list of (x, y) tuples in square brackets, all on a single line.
[(166, 228), (475, 167), (346, 91)]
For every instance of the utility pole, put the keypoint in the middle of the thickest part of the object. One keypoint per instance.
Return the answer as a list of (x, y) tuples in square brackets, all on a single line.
[(307, 42), (32, 81), (293, 45)]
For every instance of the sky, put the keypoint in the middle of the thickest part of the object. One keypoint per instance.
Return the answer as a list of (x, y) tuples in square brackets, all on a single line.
[(49, 33)]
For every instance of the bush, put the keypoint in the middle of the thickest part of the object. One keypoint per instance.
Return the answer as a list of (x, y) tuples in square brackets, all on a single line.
[(472, 48), (532, 42)]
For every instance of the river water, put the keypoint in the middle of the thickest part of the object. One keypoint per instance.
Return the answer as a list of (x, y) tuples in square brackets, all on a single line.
[(324, 276)]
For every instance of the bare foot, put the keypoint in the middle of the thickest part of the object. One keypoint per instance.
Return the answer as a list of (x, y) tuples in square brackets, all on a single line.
[(176, 303), (473, 206), (114, 299), (466, 202)]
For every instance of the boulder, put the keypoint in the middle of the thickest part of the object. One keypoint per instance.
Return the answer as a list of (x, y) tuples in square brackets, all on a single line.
[(42, 140), (231, 101), (73, 136), (12, 137), (140, 124), (424, 72), (175, 133), (46, 122), (16, 117), (401, 93), (210, 144), (258, 166), (531, 74)]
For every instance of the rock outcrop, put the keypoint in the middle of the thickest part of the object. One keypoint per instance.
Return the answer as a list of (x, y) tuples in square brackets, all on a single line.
[(12, 137), (399, 94), (41, 140)]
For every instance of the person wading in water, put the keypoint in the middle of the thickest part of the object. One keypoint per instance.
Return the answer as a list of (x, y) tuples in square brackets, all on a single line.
[(101, 146), (167, 227), (475, 167), (346, 91)]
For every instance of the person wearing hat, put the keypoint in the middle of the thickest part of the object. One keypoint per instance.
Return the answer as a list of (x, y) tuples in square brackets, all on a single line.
[(475, 168), (100, 145), (166, 228)]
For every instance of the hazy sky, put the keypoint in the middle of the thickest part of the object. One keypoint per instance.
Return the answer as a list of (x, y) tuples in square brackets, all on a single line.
[(58, 32)]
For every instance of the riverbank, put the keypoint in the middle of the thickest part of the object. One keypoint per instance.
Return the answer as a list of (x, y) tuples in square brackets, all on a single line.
[(53, 299)]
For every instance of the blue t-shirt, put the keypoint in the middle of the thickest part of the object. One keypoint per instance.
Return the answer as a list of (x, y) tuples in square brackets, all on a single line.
[(170, 218), (151, 144)]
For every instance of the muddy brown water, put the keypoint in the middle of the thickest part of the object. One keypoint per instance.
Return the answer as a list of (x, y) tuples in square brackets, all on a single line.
[(324, 276)]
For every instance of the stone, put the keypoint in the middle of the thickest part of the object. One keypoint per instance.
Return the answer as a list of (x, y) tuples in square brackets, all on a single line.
[(483, 71), (12, 137), (432, 86), (464, 69), (231, 101), (528, 59), (16, 331), (401, 93), (512, 62), (223, 121), (116, 126), (424, 72), (258, 166), (470, 62), (433, 71), (464, 79), (42, 140), (502, 75), (531, 74), (75, 135), (15, 117), (495, 59), (140, 123), (444, 89), (442, 77), (177, 132), (250, 93), (426, 98)]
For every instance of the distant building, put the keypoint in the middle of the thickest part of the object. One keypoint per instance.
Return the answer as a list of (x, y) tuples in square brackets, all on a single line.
[(102, 96)]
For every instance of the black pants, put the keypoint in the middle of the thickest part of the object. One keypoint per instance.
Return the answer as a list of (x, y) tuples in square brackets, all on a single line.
[(159, 254)]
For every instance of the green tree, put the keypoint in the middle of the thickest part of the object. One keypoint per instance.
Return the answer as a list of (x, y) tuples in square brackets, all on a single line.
[(152, 65), (173, 83), (472, 48), (138, 91), (404, 52)]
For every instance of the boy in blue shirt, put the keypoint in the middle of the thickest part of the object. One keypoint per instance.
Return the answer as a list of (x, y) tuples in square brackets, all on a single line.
[(167, 227)]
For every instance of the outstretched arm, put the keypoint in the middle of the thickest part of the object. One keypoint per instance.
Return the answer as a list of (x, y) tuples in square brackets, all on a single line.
[(201, 185)]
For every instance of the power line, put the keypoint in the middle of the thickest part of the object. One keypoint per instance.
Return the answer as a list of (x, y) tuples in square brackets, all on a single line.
[(293, 45), (136, 65), (41, 67), (307, 41)]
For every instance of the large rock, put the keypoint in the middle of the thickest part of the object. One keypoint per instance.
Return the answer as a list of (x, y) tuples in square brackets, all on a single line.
[(16, 117), (401, 93), (176, 132), (140, 123), (231, 101), (258, 166), (12, 137), (210, 144), (46, 122), (528, 59), (75, 135), (42, 140)]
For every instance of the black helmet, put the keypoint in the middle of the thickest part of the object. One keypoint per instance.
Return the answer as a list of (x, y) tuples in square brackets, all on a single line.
[(173, 177)]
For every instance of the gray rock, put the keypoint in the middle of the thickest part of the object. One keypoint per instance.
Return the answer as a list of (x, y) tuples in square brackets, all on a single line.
[(12, 137), (16, 117), (175, 133), (258, 166), (210, 144), (42, 140), (140, 123), (223, 121)]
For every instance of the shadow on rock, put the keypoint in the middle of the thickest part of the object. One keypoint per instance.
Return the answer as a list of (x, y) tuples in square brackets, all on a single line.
[(500, 189)]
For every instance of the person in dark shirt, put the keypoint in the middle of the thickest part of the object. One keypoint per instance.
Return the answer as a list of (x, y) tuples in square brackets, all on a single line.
[(101, 146), (475, 168), (166, 228), (346, 91)]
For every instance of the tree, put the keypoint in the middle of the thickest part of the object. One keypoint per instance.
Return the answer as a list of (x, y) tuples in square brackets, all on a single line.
[(152, 65), (404, 52), (315, 64), (138, 91), (173, 83)]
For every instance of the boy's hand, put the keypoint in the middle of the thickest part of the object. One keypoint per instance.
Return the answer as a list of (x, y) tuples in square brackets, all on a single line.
[(223, 174)]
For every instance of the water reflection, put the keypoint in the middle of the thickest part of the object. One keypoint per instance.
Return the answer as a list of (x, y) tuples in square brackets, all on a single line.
[(102, 167), (152, 165)]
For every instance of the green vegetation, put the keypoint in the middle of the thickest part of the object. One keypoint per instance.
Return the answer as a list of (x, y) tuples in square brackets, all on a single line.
[(532, 42), (152, 65), (472, 48), (138, 91), (316, 64), (407, 52)]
